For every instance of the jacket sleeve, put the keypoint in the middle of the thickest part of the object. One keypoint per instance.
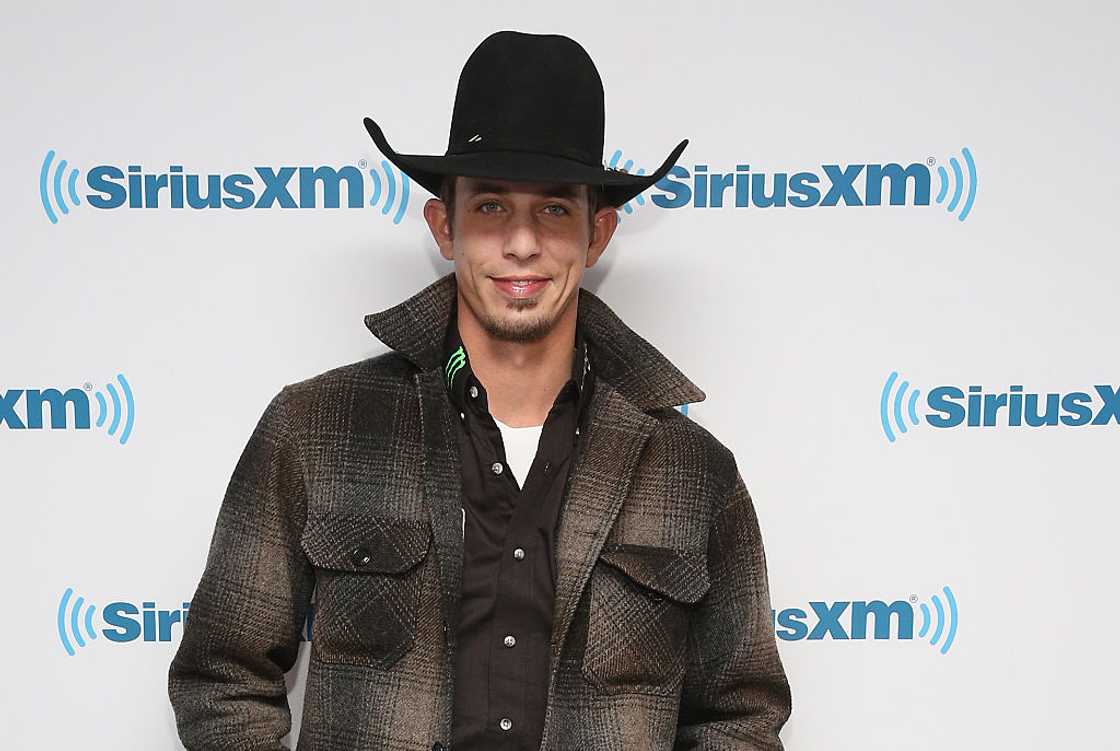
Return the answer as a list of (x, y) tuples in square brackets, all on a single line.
[(735, 694), (226, 682)]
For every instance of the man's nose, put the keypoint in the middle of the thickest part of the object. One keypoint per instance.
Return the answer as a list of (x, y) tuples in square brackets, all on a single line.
[(522, 240)]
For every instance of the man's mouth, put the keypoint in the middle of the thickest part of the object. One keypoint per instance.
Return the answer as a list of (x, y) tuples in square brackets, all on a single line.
[(520, 287)]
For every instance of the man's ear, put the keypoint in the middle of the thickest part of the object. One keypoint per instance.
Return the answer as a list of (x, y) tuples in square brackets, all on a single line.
[(435, 214), (606, 222)]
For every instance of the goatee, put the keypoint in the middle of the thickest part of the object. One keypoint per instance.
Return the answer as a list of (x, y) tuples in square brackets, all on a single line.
[(522, 328)]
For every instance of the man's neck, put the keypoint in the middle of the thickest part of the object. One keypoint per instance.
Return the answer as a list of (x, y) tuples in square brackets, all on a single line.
[(522, 379)]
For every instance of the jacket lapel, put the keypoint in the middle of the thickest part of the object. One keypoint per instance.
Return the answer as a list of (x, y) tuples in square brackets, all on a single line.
[(599, 483)]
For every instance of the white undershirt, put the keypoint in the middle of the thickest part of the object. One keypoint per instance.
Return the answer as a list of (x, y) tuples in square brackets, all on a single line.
[(521, 448)]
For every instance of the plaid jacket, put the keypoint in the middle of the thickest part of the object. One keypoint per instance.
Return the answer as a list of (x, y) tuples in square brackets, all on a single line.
[(349, 487)]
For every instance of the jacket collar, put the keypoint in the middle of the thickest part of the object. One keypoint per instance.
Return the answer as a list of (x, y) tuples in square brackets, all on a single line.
[(415, 328)]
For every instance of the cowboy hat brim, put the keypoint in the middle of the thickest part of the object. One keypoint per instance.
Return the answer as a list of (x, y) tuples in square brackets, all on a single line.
[(429, 170)]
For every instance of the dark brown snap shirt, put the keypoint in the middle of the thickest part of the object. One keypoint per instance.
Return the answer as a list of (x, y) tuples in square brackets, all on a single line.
[(509, 570)]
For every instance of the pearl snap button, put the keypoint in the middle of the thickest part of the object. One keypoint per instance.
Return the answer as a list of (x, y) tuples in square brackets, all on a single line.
[(505, 723), (496, 468), (360, 556), (509, 641)]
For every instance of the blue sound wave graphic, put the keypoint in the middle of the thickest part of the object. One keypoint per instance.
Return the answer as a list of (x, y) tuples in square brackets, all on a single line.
[(626, 167), (56, 184), (72, 619), (958, 184), (122, 409), (943, 620), (890, 410), (391, 190)]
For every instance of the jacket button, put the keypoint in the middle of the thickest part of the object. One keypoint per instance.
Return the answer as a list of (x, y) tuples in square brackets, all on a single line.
[(496, 468), (360, 556)]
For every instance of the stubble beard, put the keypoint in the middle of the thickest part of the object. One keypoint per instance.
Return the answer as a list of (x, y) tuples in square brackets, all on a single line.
[(523, 327)]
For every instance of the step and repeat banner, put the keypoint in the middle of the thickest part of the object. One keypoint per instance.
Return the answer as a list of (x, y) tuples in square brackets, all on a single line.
[(888, 256)]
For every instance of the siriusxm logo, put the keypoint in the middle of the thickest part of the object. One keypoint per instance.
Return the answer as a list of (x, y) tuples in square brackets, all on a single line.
[(952, 407), (831, 185), (124, 621), (71, 409), (854, 620), (305, 187)]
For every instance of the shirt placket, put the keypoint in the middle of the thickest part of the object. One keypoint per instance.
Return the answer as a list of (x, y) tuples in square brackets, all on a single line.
[(516, 639), (514, 634)]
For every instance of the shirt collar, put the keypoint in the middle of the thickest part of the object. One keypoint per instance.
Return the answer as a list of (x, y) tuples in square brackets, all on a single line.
[(458, 376)]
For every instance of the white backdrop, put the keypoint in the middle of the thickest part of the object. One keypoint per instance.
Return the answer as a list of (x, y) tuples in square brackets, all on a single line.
[(791, 318)]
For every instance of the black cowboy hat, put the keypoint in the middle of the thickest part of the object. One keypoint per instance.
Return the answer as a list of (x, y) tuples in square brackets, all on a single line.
[(528, 107)]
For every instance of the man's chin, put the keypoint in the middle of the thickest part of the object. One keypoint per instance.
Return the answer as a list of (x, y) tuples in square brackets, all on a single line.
[(523, 325)]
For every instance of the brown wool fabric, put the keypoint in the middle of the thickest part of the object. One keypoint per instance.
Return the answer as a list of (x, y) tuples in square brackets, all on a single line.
[(350, 487)]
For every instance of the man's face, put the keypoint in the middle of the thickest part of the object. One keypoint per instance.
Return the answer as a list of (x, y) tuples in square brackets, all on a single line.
[(520, 249)]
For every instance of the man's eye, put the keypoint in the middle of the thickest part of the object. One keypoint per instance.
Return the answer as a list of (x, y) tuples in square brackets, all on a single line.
[(482, 206), (557, 206)]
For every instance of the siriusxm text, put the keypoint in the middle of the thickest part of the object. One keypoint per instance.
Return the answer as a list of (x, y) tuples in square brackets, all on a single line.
[(834, 185), (845, 619), (952, 406), (64, 408), (266, 187)]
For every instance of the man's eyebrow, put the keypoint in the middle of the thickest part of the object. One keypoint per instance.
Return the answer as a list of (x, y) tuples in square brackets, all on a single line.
[(554, 191)]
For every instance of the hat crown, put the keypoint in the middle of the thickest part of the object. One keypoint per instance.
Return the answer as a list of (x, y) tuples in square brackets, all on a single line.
[(529, 92)]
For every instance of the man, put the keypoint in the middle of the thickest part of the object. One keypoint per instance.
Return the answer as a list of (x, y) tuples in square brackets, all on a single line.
[(514, 540)]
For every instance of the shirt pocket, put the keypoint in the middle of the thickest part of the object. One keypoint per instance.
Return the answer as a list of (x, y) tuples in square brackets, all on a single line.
[(640, 601), (368, 585)]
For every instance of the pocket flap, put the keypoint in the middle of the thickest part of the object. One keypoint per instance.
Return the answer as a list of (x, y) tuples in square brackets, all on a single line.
[(367, 544), (673, 573)]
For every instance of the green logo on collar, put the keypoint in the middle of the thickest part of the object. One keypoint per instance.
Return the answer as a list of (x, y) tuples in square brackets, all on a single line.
[(454, 364)]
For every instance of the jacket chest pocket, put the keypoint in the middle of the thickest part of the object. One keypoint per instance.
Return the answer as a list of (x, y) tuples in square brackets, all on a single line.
[(640, 601), (368, 585)]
